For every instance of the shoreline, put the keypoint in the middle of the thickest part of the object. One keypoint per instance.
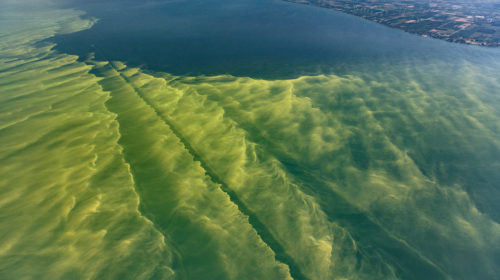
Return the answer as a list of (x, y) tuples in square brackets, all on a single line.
[(461, 28)]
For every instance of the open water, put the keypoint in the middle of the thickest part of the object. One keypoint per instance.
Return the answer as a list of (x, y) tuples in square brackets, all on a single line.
[(246, 139)]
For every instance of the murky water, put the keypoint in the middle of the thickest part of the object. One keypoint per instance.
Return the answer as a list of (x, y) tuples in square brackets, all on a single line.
[(259, 140)]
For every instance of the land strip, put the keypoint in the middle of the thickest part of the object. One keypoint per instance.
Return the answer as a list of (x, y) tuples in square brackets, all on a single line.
[(474, 22)]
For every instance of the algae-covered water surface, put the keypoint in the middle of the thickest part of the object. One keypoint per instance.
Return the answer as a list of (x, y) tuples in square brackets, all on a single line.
[(246, 139)]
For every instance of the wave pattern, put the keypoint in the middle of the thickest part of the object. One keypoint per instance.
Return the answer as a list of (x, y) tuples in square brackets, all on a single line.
[(68, 204), (108, 172)]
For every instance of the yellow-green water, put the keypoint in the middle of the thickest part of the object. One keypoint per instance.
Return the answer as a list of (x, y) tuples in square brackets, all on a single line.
[(108, 172)]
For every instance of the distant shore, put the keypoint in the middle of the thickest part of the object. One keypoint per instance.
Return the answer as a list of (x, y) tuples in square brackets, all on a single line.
[(475, 23)]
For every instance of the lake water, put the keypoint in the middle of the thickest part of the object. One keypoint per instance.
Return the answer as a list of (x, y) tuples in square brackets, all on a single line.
[(260, 38), (245, 139)]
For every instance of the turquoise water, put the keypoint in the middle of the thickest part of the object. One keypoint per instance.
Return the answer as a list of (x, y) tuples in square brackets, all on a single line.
[(257, 140)]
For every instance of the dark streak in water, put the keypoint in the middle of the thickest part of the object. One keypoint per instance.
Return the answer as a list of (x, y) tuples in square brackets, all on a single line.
[(259, 227), (409, 263)]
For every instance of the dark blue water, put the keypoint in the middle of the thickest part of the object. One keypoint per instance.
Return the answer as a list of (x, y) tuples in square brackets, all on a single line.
[(262, 38)]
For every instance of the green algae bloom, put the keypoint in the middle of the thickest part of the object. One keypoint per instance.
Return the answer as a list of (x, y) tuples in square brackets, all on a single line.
[(113, 172)]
